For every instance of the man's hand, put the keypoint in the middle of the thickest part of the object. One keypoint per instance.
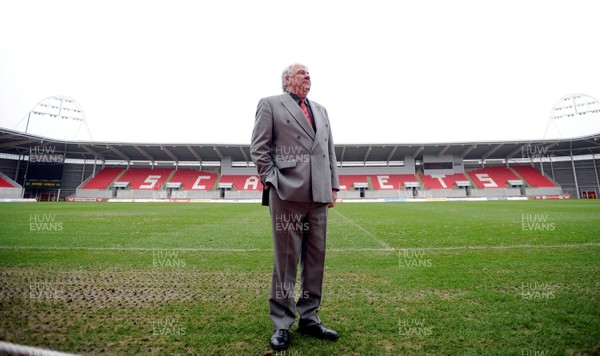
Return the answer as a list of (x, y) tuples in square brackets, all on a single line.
[(334, 198)]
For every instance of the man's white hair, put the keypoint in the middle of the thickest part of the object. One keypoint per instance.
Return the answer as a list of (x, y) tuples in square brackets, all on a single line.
[(287, 72)]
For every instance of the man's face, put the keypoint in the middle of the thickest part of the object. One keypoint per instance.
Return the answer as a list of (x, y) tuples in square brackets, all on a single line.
[(299, 81)]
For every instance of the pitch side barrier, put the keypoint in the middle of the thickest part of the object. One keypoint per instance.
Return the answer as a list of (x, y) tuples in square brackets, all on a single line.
[(341, 200)]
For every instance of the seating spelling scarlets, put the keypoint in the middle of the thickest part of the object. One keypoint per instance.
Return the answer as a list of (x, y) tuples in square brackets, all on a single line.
[(492, 177), (242, 182), (145, 178), (194, 180), (441, 181), (391, 181)]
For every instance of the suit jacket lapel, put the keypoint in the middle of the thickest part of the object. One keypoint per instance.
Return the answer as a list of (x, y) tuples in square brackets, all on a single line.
[(294, 109)]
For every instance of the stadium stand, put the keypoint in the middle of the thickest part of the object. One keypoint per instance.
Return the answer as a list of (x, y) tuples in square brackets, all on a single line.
[(194, 180), (441, 181), (533, 177), (242, 182), (103, 179), (492, 177), (366, 171), (145, 178)]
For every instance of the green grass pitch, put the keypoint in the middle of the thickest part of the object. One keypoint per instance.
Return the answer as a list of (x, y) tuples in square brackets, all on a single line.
[(498, 278)]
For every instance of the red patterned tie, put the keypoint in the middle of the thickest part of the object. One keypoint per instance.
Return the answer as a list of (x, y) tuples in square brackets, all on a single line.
[(305, 110)]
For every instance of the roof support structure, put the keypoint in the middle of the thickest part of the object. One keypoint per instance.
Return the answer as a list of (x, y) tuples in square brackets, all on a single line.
[(467, 151), (144, 153), (170, 154), (119, 153), (392, 153), (492, 150), (418, 152), (245, 155), (443, 150)]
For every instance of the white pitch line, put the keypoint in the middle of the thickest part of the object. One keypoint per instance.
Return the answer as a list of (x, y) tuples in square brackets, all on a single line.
[(28, 350), (388, 249), (361, 228)]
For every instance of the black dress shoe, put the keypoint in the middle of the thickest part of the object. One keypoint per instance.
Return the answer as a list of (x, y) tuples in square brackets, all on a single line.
[(318, 331), (280, 340)]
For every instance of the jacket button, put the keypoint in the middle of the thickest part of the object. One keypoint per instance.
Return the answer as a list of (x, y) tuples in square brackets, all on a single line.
[(323, 155), (287, 121), (298, 137)]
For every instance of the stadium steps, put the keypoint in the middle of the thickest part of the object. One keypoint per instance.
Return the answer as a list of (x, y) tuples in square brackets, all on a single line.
[(118, 177), (527, 184), (216, 186), (370, 183), (473, 185), (168, 179), (421, 184)]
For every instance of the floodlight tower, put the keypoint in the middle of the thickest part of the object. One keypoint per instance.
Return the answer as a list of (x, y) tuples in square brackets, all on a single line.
[(61, 107), (572, 106)]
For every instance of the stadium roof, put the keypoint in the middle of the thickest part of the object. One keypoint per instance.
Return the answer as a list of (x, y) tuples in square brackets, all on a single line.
[(19, 143)]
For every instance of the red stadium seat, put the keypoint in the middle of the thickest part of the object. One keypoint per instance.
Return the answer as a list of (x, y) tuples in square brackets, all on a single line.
[(347, 181), (533, 177), (103, 179), (5, 184)]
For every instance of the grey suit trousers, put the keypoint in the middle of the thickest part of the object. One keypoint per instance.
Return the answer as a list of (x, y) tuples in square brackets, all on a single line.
[(299, 235)]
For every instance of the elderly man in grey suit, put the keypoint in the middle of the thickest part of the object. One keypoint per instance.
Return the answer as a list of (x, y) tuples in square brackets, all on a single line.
[(292, 148)]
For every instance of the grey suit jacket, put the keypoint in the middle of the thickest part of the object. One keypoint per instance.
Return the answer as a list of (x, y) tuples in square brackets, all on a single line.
[(299, 163)]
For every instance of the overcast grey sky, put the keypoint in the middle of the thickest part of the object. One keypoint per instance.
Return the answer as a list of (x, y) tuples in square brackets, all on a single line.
[(387, 71)]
